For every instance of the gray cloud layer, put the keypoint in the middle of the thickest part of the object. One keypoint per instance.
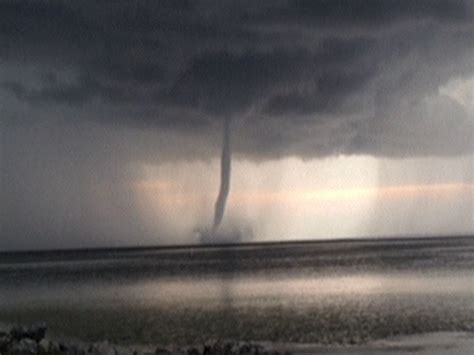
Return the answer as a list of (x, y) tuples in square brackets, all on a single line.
[(306, 78)]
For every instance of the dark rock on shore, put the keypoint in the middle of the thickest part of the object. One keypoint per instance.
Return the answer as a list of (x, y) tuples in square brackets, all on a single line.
[(35, 332), (24, 346), (223, 348), (5, 340)]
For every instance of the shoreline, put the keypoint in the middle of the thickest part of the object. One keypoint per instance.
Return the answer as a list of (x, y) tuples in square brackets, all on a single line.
[(34, 339)]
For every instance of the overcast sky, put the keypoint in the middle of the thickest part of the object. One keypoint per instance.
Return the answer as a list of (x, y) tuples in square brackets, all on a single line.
[(349, 118)]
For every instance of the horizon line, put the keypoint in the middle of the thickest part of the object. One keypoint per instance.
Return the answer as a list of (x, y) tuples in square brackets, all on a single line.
[(392, 238)]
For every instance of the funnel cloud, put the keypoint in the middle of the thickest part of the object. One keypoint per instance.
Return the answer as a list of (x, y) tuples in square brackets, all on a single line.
[(226, 157)]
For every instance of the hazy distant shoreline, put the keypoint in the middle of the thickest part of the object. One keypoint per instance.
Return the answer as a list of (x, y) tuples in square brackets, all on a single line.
[(251, 244)]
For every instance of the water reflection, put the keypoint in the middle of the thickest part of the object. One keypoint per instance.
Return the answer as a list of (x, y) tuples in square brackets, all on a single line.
[(309, 292), (284, 289), (229, 291)]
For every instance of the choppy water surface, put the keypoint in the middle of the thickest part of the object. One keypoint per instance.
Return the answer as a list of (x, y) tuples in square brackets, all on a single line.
[(328, 292)]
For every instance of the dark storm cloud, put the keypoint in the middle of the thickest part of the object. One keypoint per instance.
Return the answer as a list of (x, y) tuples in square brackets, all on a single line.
[(369, 13), (85, 88), (293, 72), (230, 83)]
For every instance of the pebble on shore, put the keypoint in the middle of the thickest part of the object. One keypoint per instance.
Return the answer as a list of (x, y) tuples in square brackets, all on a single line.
[(21, 340)]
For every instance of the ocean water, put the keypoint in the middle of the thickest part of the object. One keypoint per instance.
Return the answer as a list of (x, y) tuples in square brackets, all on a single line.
[(321, 292)]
